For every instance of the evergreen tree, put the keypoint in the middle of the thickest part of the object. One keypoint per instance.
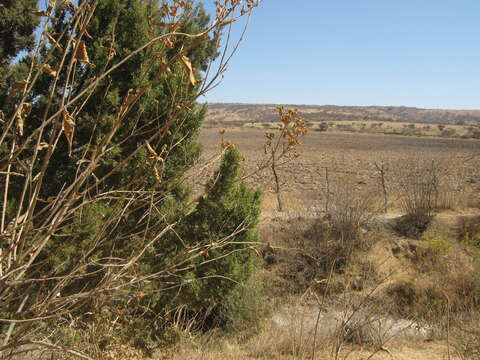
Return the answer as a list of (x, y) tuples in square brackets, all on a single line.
[(118, 28), (223, 222), (17, 24)]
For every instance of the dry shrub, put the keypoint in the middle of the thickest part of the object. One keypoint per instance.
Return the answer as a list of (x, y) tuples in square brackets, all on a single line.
[(303, 253), (404, 295), (420, 190), (430, 297), (465, 336), (350, 212), (294, 251), (468, 230)]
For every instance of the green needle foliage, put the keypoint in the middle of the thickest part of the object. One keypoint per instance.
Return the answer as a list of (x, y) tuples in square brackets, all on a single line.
[(228, 207), (17, 24), (209, 292)]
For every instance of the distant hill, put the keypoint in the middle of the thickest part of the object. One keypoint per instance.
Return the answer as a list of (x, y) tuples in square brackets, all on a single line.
[(243, 113)]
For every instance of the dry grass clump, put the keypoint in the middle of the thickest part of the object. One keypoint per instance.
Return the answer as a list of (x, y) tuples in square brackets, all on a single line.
[(304, 253), (294, 252), (465, 336), (350, 212), (430, 297), (419, 197), (468, 230)]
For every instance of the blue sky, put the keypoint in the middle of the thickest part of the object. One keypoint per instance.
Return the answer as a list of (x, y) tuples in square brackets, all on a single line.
[(423, 53)]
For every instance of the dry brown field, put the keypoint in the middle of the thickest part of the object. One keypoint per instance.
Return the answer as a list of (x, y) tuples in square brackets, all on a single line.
[(352, 157)]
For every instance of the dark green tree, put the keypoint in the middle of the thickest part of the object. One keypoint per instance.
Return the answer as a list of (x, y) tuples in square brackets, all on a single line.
[(166, 117), (224, 224), (17, 25), (221, 230)]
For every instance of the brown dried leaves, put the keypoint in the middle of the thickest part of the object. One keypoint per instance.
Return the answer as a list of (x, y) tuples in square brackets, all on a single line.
[(81, 53), (291, 129), (39, 13), (292, 126), (111, 52), (18, 86), (68, 127), (153, 156), (48, 69), (21, 115), (188, 65)]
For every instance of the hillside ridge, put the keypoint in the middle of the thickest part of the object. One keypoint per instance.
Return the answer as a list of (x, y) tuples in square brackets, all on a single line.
[(242, 112)]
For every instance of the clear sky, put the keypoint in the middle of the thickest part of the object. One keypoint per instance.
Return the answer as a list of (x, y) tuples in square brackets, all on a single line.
[(423, 53)]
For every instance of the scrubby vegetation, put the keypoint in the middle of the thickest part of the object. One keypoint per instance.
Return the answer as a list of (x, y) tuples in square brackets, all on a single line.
[(119, 239)]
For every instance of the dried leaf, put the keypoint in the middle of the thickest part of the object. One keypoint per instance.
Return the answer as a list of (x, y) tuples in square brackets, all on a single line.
[(81, 53), (226, 22), (183, 107), (2, 117), (68, 128), (167, 25), (111, 52), (22, 114), (188, 65), (169, 44), (227, 145), (43, 145), (157, 175), (16, 88), (67, 4), (132, 96), (48, 69)]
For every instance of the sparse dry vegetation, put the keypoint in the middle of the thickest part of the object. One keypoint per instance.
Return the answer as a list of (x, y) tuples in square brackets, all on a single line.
[(424, 276), (120, 240)]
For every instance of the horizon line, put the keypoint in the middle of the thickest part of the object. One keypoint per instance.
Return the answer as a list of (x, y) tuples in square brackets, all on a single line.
[(333, 105)]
